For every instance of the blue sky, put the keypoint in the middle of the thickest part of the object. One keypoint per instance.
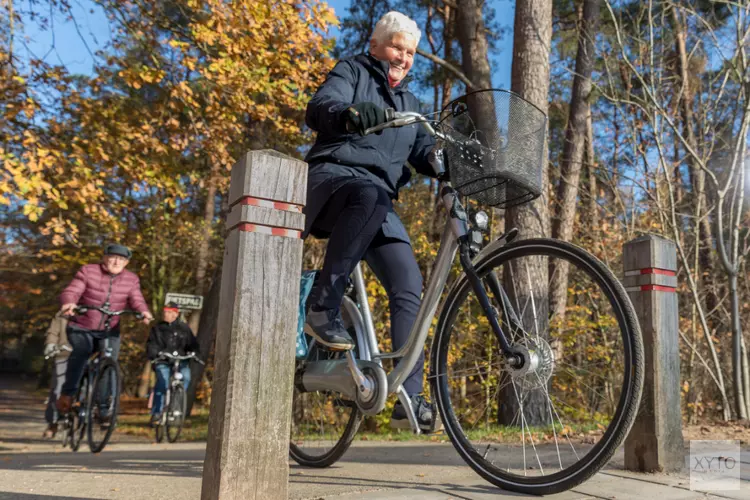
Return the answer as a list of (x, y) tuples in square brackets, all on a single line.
[(72, 41)]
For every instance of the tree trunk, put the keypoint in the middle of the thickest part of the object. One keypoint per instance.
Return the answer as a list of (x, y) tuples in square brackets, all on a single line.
[(573, 150), (206, 336), (532, 35), (738, 378), (202, 259), (745, 375), (697, 175), (472, 36)]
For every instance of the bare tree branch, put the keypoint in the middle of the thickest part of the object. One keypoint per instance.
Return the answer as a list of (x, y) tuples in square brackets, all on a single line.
[(442, 62)]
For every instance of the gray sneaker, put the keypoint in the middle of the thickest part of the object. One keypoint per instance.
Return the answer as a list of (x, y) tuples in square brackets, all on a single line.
[(327, 328), (424, 411)]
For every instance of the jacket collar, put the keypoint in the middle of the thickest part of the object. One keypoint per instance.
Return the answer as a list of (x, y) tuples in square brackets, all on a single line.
[(381, 68)]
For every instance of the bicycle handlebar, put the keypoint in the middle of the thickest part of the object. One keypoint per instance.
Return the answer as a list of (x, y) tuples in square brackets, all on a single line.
[(58, 350), (83, 309), (175, 356), (401, 119)]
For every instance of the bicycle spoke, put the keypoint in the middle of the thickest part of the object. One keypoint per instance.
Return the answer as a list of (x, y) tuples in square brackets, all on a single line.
[(533, 304)]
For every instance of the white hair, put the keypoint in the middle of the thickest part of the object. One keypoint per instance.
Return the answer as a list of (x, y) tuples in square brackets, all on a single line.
[(395, 22)]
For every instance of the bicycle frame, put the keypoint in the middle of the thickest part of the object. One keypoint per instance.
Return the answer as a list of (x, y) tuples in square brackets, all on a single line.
[(335, 374), (171, 384)]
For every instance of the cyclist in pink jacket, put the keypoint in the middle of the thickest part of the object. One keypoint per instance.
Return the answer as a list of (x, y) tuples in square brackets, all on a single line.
[(104, 284)]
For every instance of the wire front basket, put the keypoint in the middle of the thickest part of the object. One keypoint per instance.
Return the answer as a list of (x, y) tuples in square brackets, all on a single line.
[(495, 149)]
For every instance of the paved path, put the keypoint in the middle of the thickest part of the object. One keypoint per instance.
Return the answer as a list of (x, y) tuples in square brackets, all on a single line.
[(131, 468)]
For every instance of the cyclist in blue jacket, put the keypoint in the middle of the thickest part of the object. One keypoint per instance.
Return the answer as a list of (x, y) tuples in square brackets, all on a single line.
[(352, 182)]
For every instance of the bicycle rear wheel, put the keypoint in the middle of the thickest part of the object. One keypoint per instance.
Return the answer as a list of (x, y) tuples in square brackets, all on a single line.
[(176, 413), (323, 423), (104, 402), (78, 414), (550, 424), (159, 432)]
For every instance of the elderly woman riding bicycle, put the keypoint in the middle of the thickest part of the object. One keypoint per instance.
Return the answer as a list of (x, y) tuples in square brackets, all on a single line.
[(352, 183)]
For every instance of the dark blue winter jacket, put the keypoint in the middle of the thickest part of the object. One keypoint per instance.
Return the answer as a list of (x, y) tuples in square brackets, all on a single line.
[(338, 155)]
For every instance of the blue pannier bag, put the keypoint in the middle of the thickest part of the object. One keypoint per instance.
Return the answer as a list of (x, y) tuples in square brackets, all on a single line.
[(305, 287)]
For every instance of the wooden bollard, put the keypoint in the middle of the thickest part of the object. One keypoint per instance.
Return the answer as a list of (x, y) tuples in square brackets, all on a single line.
[(655, 441), (248, 429)]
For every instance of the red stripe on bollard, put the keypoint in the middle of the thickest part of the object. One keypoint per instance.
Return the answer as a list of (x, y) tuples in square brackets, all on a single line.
[(275, 231), (658, 288), (278, 205)]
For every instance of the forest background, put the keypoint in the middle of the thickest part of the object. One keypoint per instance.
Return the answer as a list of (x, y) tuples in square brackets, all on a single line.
[(120, 121)]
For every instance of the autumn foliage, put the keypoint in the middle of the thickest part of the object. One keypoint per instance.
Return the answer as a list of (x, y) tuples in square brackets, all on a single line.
[(140, 150)]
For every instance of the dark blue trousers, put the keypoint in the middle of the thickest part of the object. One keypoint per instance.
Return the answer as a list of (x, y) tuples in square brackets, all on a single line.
[(353, 217), (84, 343)]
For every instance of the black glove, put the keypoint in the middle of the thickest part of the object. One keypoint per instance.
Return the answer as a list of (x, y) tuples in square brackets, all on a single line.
[(361, 116)]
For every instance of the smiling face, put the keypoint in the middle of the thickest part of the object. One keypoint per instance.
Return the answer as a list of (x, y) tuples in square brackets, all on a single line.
[(114, 264), (398, 52)]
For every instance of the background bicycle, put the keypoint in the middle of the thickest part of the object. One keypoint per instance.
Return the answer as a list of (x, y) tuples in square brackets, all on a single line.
[(95, 406), (174, 403)]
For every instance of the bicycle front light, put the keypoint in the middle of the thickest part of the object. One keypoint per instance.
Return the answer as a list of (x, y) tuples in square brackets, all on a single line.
[(178, 376), (481, 220)]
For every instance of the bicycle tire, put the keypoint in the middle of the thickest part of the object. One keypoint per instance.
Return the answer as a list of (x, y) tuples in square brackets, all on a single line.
[(176, 413), (632, 374), (335, 453), (332, 455), (108, 373), (78, 416), (159, 431), (66, 434)]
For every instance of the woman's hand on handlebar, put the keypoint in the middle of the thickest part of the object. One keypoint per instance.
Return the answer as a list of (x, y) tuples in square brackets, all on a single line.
[(68, 310), (362, 116)]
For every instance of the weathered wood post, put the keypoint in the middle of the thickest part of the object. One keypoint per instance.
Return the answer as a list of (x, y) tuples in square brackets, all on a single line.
[(655, 441), (248, 430)]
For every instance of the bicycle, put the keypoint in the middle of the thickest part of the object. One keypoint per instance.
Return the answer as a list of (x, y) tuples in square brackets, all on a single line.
[(69, 422), (175, 401), (94, 408), (536, 391)]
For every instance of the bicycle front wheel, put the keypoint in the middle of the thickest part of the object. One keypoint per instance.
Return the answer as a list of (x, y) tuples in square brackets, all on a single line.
[(176, 413), (104, 402), (550, 424)]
